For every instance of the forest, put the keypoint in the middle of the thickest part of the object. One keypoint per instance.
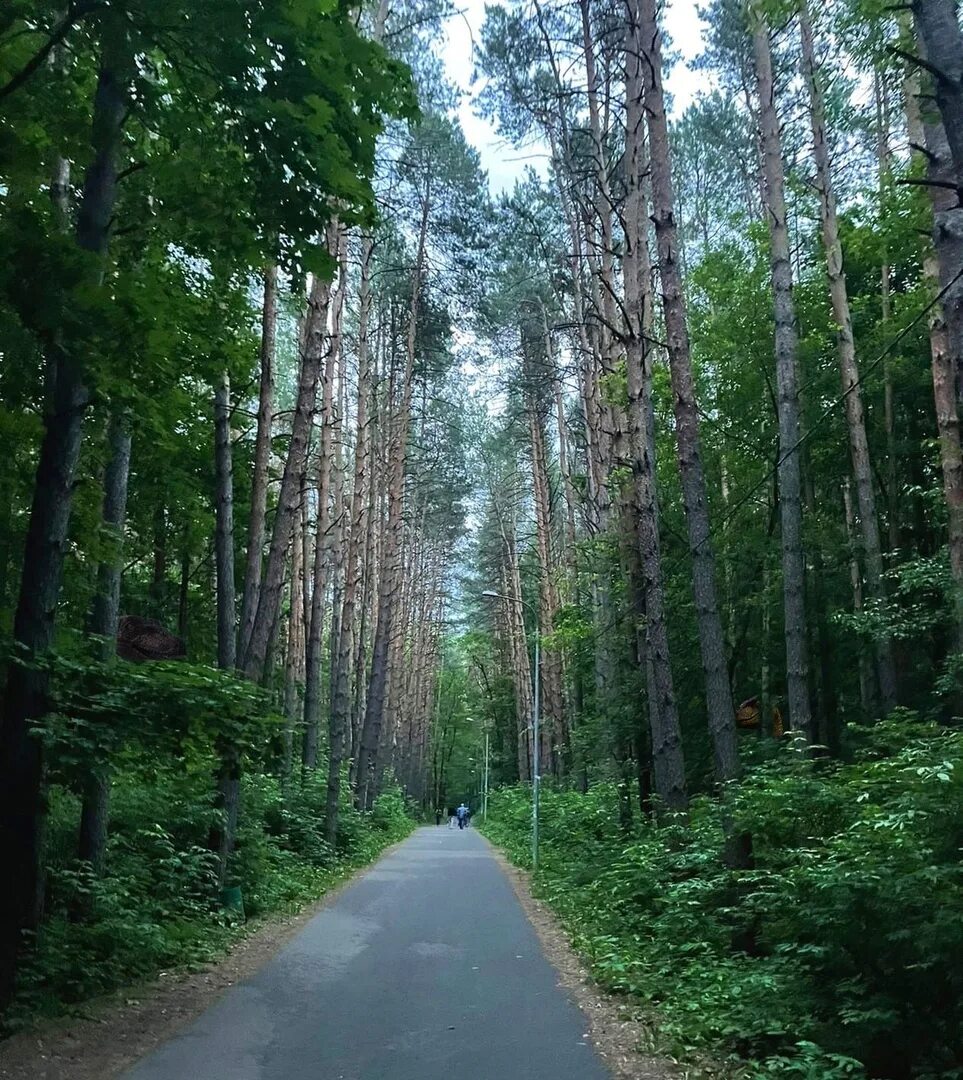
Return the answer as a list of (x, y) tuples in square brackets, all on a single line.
[(339, 486)]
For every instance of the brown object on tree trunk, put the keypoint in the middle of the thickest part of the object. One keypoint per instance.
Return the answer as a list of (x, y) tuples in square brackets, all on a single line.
[(140, 639)]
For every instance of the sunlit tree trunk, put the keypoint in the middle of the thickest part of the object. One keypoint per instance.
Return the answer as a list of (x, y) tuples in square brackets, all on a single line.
[(254, 662), (319, 586), (394, 534)]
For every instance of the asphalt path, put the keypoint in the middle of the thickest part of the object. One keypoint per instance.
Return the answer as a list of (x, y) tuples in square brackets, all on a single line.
[(424, 968)]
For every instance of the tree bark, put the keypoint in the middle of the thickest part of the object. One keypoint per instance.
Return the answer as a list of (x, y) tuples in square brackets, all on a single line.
[(262, 459), (224, 525), (21, 754), (719, 705), (391, 561), (289, 498), (889, 397), (940, 268), (95, 807), (552, 720), (848, 368), (790, 486), (938, 27), (340, 714), (312, 670), (867, 682), (667, 755)]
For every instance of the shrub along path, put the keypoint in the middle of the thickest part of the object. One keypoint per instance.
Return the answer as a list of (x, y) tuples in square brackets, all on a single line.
[(425, 968)]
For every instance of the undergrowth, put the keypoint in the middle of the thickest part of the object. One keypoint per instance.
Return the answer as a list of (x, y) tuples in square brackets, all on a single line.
[(157, 906), (839, 954)]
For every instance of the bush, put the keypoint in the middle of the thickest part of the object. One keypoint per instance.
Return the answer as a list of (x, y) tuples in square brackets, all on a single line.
[(838, 954), (157, 906)]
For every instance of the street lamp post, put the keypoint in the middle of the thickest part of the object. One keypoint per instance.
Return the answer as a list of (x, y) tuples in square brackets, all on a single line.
[(536, 694), (487, 764)]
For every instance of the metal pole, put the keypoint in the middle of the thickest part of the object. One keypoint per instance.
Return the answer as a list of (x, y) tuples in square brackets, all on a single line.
[(485, 799), (535, 776)]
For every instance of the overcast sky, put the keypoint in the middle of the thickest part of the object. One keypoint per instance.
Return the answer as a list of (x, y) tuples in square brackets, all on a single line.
[(502, 161)]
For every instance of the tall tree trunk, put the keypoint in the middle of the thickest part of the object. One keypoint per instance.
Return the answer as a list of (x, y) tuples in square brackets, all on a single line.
[(21, 753), (667, 755), (229, 772), (867, 682), (552, 720), (790, 486), (522, 671), (848, 369), (340, 713), (889, 398), (391, 560), (184, 589), (312, 671), (224, 524), (940, 268), (294, 660), (262, 459), (254, 661), (722, 726), (95, 807), (158, 584), (938, 27)]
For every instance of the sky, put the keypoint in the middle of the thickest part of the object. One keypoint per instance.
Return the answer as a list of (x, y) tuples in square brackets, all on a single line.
[(503, 162)]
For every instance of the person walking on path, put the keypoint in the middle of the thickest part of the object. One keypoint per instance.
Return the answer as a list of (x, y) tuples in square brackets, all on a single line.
[(462, 813)]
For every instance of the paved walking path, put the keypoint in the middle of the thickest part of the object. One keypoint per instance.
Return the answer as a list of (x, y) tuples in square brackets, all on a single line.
[(425, 968)]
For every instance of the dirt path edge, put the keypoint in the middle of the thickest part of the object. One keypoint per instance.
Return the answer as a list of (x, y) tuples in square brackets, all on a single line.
[(615, 1033)]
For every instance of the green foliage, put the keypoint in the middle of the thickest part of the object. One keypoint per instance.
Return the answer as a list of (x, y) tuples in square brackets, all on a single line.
[(157, 906), (837, 952)]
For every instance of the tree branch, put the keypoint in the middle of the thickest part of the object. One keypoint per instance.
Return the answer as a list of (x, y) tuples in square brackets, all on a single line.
[(73, 15)]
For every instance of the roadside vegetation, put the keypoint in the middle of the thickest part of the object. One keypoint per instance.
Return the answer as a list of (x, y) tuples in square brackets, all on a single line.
[(836, 954)]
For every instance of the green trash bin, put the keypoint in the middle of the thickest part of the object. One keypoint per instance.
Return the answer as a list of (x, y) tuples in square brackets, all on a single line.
[(232, 900)]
